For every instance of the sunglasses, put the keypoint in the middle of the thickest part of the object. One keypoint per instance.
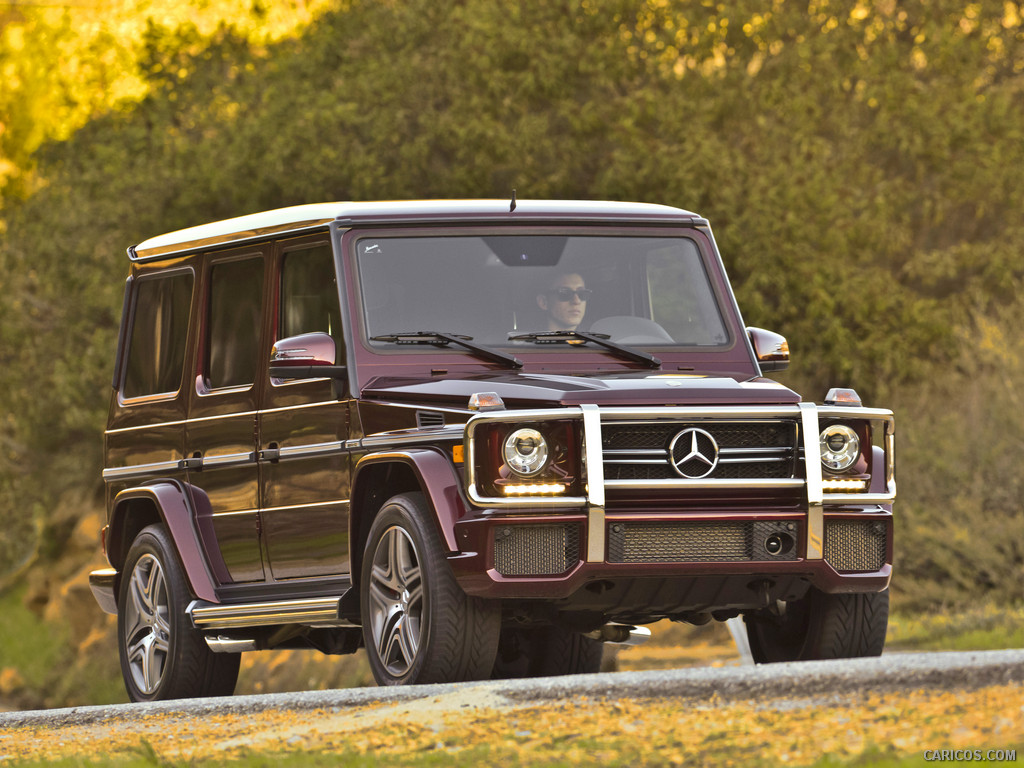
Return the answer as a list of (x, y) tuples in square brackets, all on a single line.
[(566, 294)]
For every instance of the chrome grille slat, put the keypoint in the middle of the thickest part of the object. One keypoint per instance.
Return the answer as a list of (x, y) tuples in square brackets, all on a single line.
[(638, 451)]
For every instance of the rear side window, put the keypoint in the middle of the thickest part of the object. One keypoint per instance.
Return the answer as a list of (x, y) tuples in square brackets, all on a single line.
[(236, 298), (156, 352)]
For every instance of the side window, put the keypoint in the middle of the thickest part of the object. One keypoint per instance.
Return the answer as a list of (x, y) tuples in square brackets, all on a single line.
[(156, 351), (236, 298), (309, 295)]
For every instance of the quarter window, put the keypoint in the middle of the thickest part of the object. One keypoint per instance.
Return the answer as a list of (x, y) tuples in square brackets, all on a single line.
[(236, 297), (156, 352)]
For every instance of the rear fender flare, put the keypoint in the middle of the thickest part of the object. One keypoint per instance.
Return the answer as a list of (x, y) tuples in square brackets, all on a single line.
[(132, 511)]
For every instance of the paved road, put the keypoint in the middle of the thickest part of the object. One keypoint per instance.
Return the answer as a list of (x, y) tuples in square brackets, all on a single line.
[(804, 681)]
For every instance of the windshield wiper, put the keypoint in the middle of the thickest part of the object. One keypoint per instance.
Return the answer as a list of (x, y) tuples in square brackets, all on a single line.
[(444, 339), (601, 339)]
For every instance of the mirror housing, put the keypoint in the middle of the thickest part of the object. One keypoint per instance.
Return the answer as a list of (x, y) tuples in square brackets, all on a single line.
[(770, 349), (307, 356)]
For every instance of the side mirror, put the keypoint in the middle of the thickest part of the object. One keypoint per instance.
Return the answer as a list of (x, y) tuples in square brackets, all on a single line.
[(307, 356), (770, 349)]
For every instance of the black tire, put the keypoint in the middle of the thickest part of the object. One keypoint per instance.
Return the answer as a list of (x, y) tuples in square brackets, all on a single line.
[(418, 624), (545, 652), (820, 626), (162, 655)]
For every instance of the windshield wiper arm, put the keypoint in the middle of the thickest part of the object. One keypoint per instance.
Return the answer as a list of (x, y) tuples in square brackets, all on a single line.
[(601, 339), (444, 339)]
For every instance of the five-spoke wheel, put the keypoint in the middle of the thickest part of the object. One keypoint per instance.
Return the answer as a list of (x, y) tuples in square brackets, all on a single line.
[(418, 624), (162, 655)]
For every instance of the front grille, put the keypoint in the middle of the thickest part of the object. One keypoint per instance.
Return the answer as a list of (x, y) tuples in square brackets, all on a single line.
[(536, 550), (855, 545), (683, 542), (762, 450)]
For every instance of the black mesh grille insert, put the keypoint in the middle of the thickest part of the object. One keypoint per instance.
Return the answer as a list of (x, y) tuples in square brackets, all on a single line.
[(536, 550), (855, 545), (698, 542), (762, 450)]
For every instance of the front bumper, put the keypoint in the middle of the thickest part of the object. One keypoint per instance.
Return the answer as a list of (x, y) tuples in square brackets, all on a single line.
[(707, 532)]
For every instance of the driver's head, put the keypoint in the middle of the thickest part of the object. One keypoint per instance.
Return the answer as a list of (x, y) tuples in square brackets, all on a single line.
[(565, 302)]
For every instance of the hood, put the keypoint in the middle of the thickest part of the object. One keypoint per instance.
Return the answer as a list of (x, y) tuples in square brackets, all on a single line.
[(524, 390)]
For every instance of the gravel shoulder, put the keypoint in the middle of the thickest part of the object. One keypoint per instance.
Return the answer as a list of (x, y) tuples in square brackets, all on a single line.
[(339, 719)]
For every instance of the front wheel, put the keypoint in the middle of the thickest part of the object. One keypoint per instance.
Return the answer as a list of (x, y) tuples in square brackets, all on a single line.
[(820, 626), (418, 624), (162, 656)]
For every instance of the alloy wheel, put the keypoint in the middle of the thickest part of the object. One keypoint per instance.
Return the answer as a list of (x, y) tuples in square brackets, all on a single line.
[(147, 629), (396, 601)]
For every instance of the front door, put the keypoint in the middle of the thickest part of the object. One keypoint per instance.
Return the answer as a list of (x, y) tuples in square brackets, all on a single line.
[(303, 427)]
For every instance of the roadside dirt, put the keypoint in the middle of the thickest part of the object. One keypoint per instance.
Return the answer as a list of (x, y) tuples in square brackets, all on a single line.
[(903, 705)]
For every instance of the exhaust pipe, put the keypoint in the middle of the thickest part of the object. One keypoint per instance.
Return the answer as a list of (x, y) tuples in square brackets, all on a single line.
[(621, 634)]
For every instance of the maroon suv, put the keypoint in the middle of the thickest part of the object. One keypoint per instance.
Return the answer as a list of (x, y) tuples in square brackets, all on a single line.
[(479, 438)]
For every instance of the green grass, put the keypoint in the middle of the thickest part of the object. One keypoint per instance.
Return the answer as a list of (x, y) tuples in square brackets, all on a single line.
[(27, 643), (984, 628)]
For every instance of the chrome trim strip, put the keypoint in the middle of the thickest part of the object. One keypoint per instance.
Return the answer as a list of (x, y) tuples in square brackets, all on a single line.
[(406, 437), (321, 609), (706, 485), (815, 491), (593, 465), (593, 474), (140, 470), (315, 505), (312, 450), (229, 460)]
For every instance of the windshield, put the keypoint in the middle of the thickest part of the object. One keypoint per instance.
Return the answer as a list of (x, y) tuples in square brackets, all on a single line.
[(513, 290)]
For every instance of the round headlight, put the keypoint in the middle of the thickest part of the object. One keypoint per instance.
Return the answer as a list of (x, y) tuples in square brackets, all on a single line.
[(840, 447), (526, 451)]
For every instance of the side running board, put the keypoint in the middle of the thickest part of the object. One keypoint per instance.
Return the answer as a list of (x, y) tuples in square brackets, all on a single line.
[(319, 611)]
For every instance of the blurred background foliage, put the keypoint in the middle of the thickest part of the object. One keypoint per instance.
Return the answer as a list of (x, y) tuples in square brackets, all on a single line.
[(860, 161)]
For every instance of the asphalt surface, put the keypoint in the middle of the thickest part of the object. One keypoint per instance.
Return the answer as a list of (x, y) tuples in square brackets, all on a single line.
[(818, 681)]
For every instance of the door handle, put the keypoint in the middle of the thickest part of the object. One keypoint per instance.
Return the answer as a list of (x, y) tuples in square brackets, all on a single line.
[(193, 463), (271, 453)]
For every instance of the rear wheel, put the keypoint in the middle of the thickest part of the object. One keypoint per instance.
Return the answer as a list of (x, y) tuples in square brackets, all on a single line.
[(820, 626), (418, 624), (162, 655), (545, 652)]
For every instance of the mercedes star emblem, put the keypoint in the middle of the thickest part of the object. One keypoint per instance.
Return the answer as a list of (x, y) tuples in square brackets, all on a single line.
[(693, 453)]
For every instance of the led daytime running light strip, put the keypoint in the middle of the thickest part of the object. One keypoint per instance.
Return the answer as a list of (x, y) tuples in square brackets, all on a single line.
[(535, 489), (840, 485)]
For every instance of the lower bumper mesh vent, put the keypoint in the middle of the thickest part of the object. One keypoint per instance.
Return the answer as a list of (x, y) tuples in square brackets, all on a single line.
[(536, 550), (855, 545), (681, 542)]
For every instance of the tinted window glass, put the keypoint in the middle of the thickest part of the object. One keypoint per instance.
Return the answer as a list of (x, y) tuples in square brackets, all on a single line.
[(636, 290), (156, 353), (309, 294), (236, 297)]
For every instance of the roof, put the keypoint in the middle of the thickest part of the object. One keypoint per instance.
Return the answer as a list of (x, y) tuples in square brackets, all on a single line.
[(304, 217)]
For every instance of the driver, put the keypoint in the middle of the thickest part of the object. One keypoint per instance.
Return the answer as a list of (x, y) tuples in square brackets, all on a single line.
[(564, 301)]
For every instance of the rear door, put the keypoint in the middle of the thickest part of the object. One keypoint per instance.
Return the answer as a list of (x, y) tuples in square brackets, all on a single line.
[(221, 432)]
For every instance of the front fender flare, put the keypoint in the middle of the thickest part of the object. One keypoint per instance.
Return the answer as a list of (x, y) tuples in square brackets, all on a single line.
[(437, 479)]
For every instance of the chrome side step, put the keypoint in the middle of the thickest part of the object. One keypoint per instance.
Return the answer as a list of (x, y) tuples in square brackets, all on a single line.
[(319, 611)]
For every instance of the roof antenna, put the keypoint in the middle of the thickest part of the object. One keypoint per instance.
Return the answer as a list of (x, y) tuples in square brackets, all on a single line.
[(512, 207)]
